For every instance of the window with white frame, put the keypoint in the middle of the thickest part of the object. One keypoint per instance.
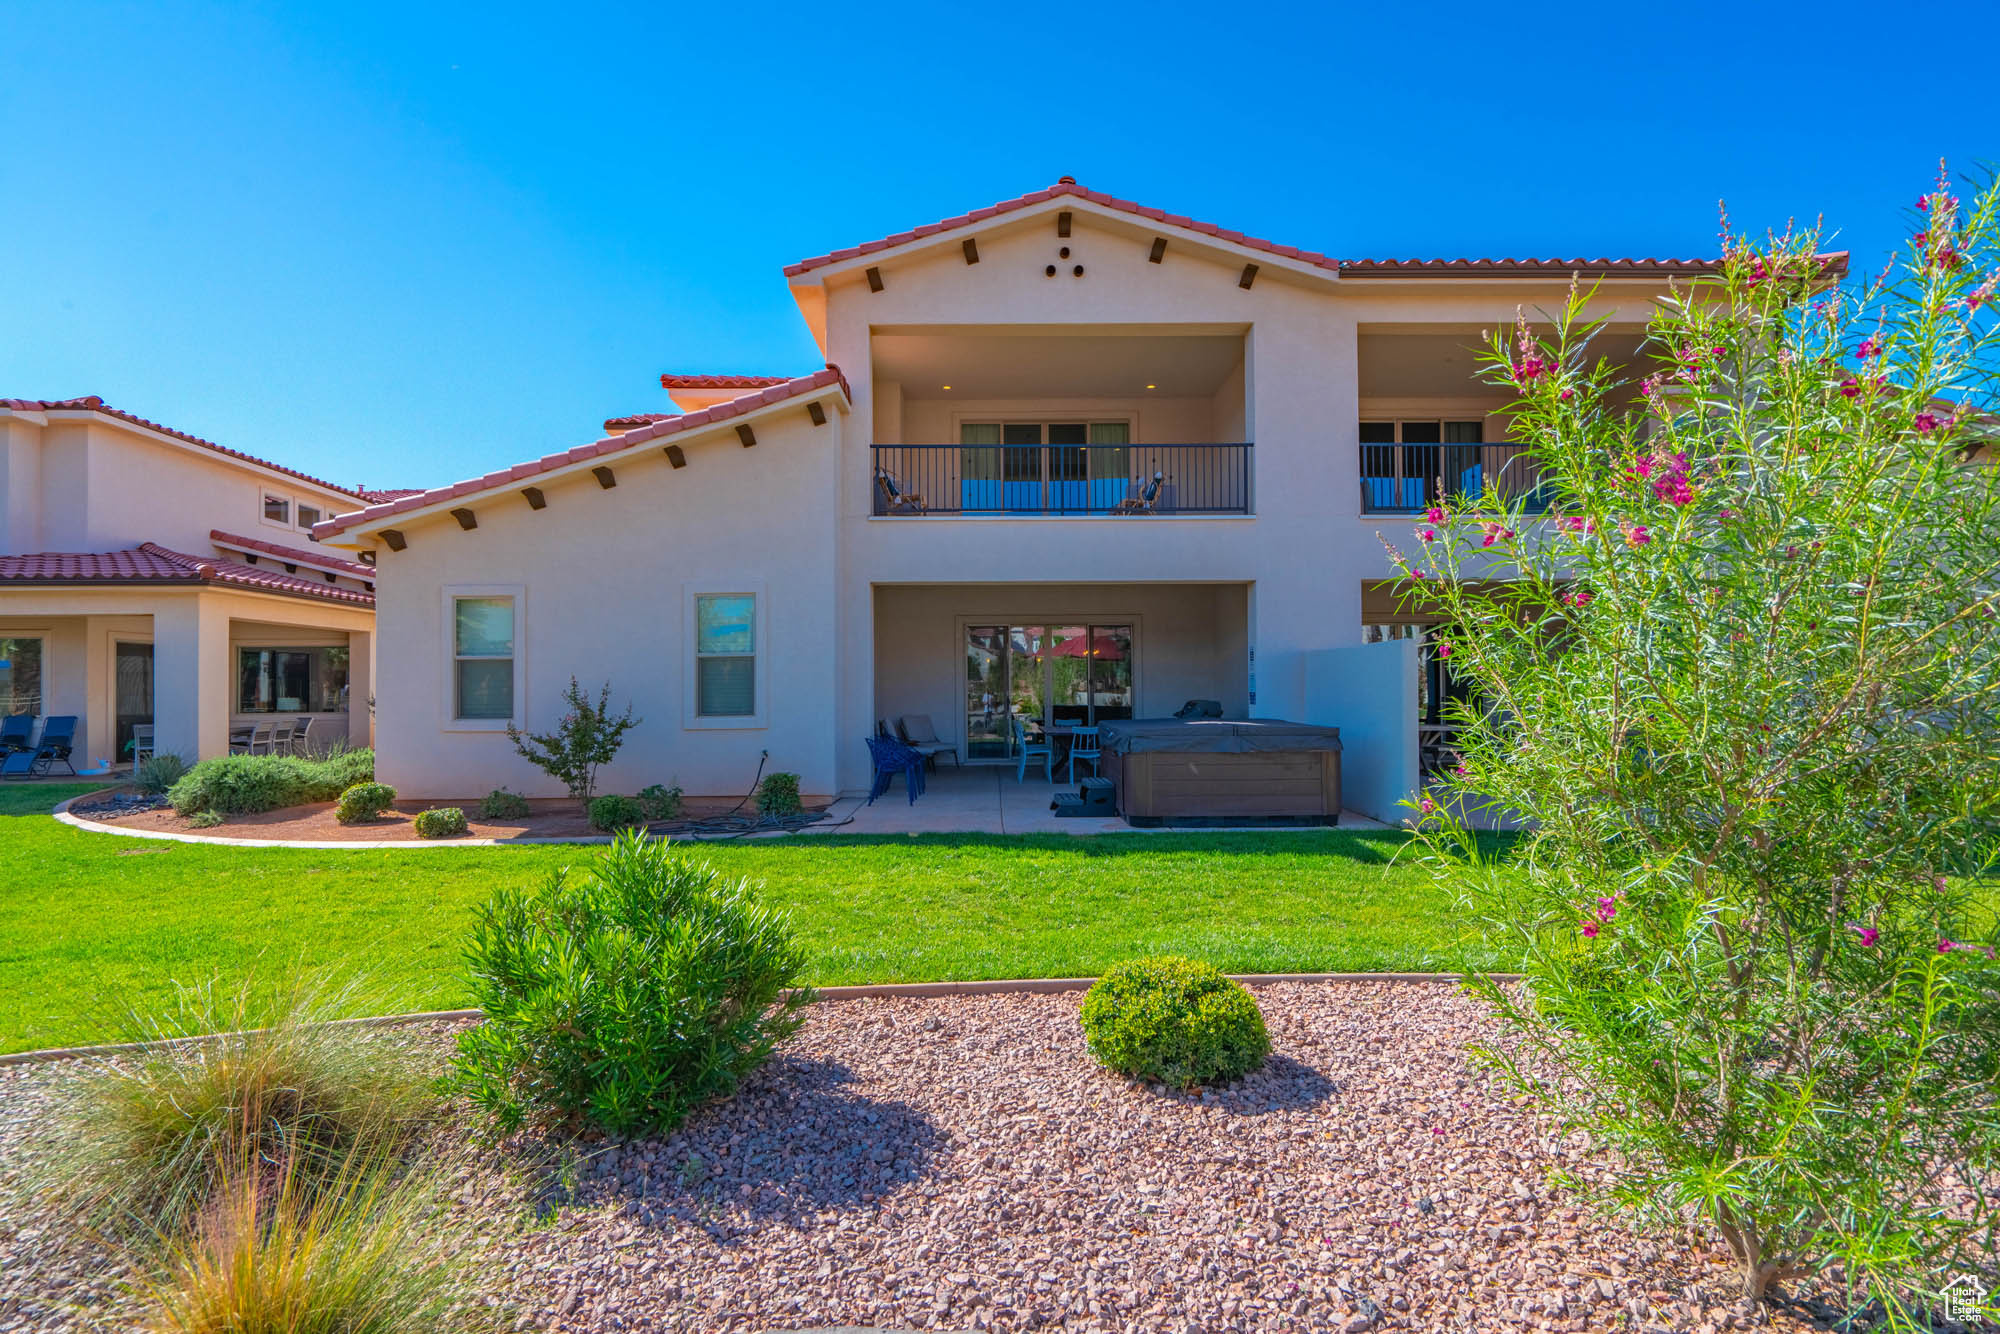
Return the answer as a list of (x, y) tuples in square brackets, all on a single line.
[(483, 633), (725, 655), (277, 509), (308, 515)]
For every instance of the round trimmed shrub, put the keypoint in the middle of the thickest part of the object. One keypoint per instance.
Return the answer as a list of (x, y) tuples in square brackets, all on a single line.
[(1174, 1020), (440, 822), (612, 813), (500, 804), (364, 802), (778, 794), (661, 803)]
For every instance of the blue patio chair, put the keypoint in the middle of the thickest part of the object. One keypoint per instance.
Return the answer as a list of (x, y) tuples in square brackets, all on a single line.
[(1084, 745), (1043, 749), (58, 739), (17, 731), (892, 757)]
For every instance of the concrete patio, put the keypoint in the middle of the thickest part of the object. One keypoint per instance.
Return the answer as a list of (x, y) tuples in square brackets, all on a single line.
[(987, 799)]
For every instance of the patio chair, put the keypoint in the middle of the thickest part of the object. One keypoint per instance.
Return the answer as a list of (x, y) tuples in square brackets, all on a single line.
[(892, 757), (58, 739), (18, 764), (141, 744), (916, 731), (281, 738), (1146, 500), (240, 739), (17, 732), (894, 499), (1084, 745), (1044, 749), (260, 739)]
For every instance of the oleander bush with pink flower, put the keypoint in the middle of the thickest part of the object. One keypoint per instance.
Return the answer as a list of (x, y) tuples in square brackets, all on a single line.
[(1742, 682)]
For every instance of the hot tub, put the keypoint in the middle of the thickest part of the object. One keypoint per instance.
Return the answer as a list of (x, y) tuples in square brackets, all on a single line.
[(1214, 771)]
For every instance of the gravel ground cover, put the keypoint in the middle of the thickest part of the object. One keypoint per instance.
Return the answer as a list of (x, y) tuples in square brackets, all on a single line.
[(959, 1164)]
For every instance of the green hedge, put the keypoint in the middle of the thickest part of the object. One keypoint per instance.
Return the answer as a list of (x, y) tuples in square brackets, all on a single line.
[(235, 784)]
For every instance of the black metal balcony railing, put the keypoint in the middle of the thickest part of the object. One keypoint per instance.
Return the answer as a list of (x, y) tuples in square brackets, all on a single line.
[(1407, 479), (1082, 480)]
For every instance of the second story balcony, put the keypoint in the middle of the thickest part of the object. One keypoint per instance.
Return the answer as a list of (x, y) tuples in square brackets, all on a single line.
[(1063, 421), (1408, 477), (1060, 478)]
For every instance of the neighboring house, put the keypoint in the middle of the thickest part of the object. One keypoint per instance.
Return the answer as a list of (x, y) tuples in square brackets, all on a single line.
[(148, 576), (1071, 458)]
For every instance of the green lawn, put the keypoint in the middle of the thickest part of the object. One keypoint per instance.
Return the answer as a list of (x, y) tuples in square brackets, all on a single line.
[(97, 925)]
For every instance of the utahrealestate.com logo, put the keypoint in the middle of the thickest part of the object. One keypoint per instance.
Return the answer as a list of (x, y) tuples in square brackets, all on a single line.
[(1964, 1300)]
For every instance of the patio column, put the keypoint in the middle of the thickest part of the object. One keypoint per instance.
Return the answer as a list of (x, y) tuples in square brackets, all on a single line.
[(191, 678), (360, 688)]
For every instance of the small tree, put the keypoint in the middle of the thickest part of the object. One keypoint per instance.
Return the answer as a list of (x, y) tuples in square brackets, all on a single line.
[(1742, 683), (587, 737)]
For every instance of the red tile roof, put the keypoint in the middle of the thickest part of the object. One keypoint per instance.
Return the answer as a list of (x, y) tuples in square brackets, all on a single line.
[(373, 495), (325, 560), (638, 419), (150, 563), (672, 381), (610, 444), (92, 403), (1361, 268)]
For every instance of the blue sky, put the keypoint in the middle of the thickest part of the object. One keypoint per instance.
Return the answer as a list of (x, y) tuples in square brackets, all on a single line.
[(405, 244)]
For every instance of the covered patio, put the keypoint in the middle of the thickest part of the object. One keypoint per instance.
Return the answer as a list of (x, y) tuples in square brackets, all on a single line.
[(988, 799)]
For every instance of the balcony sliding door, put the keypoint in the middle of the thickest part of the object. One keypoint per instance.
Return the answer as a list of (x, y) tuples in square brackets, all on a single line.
[(1043, 467)]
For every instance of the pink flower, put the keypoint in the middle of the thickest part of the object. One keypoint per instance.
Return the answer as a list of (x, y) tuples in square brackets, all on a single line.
[(1428, 534), (1947, 946), (1444, 650), (1636, 535), (1725, 514), (1574, 523), (1850, 388), (1925, 422), (1494, 533), (1869, 935), (1578, 598), (1923, 203), (1607, 909), (1869, 347), (1435, 514), (1427, 806), (1591, 929), (1564, 395), (1674, 489), (1461, 770)]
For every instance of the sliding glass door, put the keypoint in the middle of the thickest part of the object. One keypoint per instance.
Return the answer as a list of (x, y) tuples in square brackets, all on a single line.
[(1043, 467), (1042, 675)]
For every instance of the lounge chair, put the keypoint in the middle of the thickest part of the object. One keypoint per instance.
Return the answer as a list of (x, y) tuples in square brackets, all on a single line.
[(17, 732), (893, 498), (917, 732), (892, 757), (58, 739), (18, 764), (1146, 500)]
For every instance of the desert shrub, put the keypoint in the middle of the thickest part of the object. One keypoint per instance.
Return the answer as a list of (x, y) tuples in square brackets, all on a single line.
[(500, 804), (205, 820), (616, 813), (364, 802), (236, 784), (141, 1144), (1742, 694), (628, 994), (587, 737), (778, 794), (375, 1250), (157, 773), (1175, 1020), (661, 803), (440, 822)]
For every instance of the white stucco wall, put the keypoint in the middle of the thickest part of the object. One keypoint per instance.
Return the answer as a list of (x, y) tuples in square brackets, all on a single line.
[(1369, 691), (604, 577)]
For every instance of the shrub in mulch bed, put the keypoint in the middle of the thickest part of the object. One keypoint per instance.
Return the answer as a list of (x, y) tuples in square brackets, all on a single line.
[(441, 822), (627, 995), (1176, 1021), (245, 784)]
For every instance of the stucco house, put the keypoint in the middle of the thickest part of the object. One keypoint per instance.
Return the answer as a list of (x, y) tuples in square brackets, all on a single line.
[(1070, 457), (151, 577)]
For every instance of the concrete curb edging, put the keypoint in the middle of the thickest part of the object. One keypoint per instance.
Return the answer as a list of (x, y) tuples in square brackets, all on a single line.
[(1030, 986), (62, 816)]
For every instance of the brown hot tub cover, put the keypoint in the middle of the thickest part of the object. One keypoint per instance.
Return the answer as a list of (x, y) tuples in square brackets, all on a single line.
[(1215, 735)]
